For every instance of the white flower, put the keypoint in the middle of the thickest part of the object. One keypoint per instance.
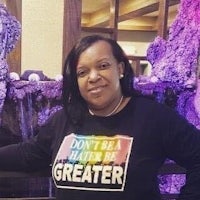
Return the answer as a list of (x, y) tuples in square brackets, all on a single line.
[(14, 76), (34, 77), (59, 77)]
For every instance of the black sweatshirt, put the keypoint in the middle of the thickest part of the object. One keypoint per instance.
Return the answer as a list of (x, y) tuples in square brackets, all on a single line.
[(112, 158)]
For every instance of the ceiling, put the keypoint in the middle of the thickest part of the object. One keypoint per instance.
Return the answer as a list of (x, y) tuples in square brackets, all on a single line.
[(133, 14)]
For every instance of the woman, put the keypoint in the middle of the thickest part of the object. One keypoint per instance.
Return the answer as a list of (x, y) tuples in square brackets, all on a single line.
[(108, 142)]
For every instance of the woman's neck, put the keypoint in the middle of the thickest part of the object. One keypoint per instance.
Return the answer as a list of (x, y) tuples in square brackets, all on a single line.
[(119, 106)]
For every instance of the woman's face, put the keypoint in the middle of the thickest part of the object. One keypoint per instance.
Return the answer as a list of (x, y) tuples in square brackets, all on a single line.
[(98, 75)]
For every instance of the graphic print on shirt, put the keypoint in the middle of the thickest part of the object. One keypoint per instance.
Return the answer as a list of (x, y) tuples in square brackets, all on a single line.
[(92, 162)]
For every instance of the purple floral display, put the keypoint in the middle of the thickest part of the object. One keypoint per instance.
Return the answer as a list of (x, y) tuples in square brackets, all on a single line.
[(10, 30), (174, 79), (36, 101), (175, 60)]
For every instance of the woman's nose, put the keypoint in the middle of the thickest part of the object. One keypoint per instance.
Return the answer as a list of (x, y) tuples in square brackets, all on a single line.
[(94, 75)]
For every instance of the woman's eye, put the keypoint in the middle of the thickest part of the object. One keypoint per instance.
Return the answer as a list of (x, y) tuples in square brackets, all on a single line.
[(104, 65), (81, 73)]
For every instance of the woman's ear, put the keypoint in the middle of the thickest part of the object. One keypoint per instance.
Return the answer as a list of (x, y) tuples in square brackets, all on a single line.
[(121, 69)]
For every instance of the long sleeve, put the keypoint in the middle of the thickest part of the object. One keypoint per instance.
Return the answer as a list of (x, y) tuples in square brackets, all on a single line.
[(37, 153), (27, 156), (182, 144)]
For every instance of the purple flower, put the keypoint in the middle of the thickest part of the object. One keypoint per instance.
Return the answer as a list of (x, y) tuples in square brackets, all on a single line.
[(175, 60), (10, 31)]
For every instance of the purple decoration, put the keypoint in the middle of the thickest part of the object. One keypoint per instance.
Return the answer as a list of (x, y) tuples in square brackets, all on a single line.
[(37, 101), (174, 74), (46, 112), (47, 89), (175, 60), (171, 184), (10, 31)]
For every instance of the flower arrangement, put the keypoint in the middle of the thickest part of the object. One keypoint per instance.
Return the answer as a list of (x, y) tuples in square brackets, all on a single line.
[(175, 60), (48, 89), (10, 30), (174, 78), (36, 101)]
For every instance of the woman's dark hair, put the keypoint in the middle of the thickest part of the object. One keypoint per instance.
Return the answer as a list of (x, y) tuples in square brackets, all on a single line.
[(73, 102)]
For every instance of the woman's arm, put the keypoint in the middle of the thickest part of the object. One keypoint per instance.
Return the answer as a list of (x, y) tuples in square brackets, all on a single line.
[(27, 156), (182, 144)]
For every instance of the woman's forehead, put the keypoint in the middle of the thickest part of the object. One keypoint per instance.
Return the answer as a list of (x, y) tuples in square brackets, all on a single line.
[(98, 48)]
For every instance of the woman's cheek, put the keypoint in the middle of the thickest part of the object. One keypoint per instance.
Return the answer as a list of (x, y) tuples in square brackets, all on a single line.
[(82, 88)]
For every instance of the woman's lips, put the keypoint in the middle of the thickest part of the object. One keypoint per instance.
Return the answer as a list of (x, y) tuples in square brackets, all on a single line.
[(96, 90)]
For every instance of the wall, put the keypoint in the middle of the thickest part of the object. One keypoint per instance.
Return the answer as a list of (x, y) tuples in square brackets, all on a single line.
[(42, 22), (139, 40), (136, 43), (42, 36)]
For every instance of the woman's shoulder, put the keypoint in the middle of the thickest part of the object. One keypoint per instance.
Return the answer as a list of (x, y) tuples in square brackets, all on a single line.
[(145, 100), (151, 104)]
